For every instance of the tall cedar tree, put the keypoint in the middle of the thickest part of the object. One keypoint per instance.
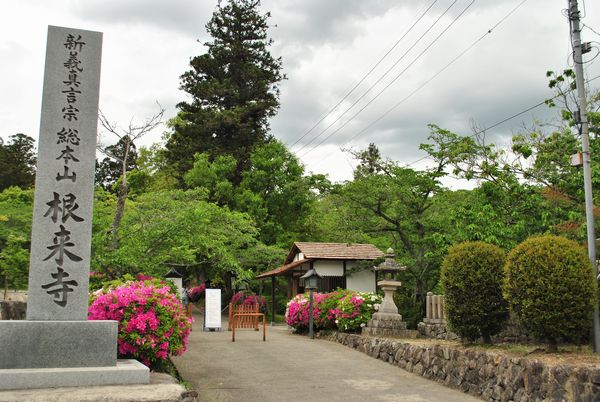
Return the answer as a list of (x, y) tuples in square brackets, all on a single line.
[(234, 90)]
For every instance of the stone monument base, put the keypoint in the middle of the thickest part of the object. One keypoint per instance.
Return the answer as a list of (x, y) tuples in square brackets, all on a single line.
[(123, 372), (30, 344), (387, 324)]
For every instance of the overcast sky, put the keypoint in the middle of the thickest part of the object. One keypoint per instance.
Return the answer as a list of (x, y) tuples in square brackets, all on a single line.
[(327, 46)]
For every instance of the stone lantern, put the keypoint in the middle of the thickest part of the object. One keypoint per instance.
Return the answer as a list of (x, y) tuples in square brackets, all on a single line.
[(389, 268), (387, 321)]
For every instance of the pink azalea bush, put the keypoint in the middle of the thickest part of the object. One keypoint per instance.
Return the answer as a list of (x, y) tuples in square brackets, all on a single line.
[(354, 310), (237, 298), (249, 299), (152, 320), (344, 310), (297, 312), (255, 299), (195, 293)]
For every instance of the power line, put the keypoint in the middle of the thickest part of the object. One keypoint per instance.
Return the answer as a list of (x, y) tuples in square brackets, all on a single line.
[(390, 83), (488, 32), (365, 75), (380, 78), (508, 118)]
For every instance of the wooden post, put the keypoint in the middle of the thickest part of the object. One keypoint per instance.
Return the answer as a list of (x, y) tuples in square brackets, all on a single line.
[(428, 305), (272, 300)]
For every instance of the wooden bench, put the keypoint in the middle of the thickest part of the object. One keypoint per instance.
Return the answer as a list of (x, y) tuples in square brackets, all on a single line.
[(247, 320), (242, 316)]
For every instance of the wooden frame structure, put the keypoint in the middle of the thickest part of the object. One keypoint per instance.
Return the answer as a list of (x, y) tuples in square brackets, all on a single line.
[(253, 316)]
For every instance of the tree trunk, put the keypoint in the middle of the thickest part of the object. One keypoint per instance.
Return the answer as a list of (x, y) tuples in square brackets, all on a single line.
[(552, 346), (121, 198)]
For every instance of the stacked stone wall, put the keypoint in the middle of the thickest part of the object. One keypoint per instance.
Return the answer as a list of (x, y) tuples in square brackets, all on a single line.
[(489, 375), (12, 310)]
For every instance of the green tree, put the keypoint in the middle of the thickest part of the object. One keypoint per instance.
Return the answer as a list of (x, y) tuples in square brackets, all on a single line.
[(14, 263), (276, 194), (177, 229), (234, 90), (110, 169), (16, 211), (398, 203), (214, 177), (124, 154), (17, 162)]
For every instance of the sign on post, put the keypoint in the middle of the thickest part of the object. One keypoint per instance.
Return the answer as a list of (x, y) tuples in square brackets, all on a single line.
[(212, 309)]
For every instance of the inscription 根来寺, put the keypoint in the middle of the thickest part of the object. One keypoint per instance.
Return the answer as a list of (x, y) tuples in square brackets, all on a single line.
[(61, 209), (59, 288)]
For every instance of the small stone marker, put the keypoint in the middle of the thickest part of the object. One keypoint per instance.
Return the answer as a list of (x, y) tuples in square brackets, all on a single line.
[(56, 344)]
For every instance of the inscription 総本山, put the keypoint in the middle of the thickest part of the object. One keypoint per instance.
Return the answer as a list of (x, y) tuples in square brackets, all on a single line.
[(61, 232)]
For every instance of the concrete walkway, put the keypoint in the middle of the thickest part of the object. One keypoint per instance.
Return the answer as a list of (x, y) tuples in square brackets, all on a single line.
[(290, 367)]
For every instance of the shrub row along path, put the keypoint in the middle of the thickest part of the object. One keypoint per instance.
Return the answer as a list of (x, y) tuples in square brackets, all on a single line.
[(289, 367)]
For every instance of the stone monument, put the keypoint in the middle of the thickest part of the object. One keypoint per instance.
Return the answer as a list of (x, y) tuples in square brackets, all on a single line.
[(387, 321), (56, 346)]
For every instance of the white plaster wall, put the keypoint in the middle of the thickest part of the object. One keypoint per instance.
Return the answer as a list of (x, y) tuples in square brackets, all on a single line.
[(362, 281), (329, 268)]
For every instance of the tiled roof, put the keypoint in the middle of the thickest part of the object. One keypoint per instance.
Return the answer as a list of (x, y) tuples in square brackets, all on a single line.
[(334, 251), (283, 269)]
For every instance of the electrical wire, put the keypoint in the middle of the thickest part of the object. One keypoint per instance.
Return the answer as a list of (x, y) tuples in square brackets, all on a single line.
[(488, 32), (590, 28), (509, 118), (380, 78), (394, 80), (365, 75)]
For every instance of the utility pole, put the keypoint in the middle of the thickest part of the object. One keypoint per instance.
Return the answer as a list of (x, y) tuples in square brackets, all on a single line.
[(578, 50)]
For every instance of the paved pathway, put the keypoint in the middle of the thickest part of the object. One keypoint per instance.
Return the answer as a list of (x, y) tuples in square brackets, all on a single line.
[(290, 367)]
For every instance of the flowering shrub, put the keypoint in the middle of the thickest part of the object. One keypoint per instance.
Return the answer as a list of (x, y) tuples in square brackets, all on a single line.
[(344, 310), (255, 299), (329, 304), (152, 320), (237, 298), (297, 312), (354, 310), (249, 299), (195, 293)]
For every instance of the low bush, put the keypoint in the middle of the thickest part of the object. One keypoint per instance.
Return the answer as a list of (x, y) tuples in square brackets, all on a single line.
[(471, 277), (298, 311), (548, 284), (152, 320), (344, 310)]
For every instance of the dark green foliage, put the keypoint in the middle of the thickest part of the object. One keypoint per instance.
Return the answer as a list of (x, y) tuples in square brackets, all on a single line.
[(17, 162), (472, 274), (109, 170), (548, 284), (233, 87)]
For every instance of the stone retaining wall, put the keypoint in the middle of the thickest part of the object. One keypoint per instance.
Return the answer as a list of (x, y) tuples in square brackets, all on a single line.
[(12, 310), (489, 375)]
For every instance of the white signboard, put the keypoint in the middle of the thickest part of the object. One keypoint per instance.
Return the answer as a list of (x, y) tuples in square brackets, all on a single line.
[(212, 309)]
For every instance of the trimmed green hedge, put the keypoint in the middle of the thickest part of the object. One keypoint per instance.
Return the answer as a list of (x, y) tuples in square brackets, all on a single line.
[(548, 284), (472, 274)]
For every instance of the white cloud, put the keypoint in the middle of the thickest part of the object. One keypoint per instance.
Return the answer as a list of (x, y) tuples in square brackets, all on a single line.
[(326, 48)]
